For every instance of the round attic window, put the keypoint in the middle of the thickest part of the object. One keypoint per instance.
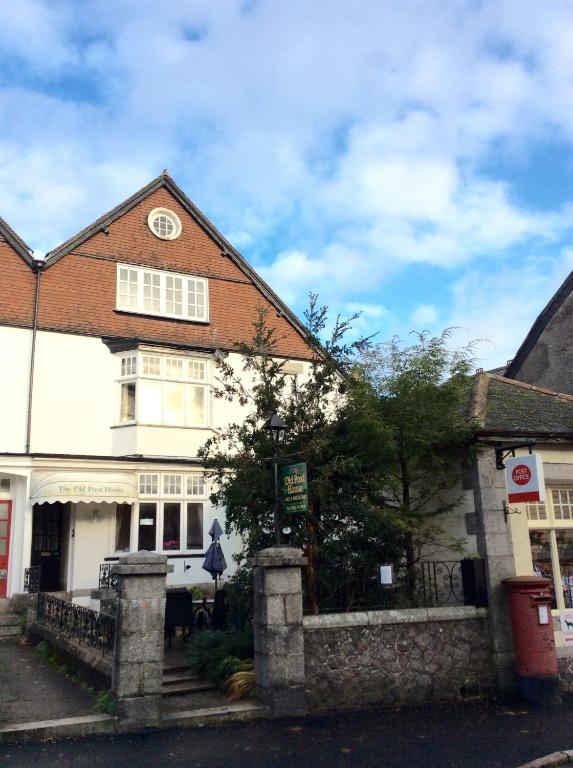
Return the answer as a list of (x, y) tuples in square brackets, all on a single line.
[(164, 223)]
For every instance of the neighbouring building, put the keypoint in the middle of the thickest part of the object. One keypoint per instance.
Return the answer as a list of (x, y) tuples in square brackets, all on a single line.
[(109, 349), (529, 403)]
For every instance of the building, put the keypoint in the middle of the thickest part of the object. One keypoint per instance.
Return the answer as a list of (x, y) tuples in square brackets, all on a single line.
[(110, 347), (527, 405)]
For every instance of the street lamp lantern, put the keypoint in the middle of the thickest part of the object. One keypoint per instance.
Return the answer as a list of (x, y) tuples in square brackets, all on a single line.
[(276, 426)]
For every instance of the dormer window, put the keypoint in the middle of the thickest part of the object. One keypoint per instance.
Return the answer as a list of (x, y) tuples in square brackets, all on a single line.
[(167, 294), (164, 223)]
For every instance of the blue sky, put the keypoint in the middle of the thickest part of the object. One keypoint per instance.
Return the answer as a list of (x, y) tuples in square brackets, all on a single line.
[(408, 159)]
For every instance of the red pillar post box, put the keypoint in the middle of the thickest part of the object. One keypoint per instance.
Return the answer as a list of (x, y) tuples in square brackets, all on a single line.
[(532, 624)]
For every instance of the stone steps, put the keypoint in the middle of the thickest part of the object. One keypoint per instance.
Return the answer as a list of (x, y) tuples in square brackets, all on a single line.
[(4, 605), (10, 628), (180, 681)]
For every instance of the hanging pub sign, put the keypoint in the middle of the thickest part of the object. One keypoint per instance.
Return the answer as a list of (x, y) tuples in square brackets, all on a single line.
[(524, 479), (295, 487)]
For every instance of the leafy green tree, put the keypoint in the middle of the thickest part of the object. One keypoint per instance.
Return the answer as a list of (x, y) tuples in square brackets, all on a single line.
[(332, 426), (383, 431), (423, 401)]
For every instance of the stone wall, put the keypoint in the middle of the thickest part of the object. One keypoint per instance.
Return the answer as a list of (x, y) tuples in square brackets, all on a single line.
[(95, 668), (397, 657), (565, 665)]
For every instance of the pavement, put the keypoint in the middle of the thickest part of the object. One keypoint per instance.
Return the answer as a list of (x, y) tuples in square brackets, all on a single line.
[(30, 690), (473, 735), (470, 735)]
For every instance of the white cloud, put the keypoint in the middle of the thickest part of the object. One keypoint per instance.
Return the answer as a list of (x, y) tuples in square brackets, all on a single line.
[(338, 143), (500, 307), (424, 316)]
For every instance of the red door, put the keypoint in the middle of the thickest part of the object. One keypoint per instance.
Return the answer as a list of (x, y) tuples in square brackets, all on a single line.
[(5, 515)]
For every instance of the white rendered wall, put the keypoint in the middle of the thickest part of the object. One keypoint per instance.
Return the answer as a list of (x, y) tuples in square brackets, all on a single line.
[(75, 406), (15, 344), (74, 393)]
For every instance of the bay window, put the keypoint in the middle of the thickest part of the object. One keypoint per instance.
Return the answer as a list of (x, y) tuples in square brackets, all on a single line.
[(163, 389)]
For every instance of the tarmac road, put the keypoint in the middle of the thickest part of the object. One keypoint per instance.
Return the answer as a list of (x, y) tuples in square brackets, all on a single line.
[(466, 735)]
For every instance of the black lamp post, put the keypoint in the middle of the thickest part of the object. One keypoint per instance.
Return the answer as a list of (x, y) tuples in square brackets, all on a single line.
[(275, 425)]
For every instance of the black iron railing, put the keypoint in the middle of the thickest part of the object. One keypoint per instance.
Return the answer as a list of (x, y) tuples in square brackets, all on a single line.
[(354, 586), (32, 579), (76, 622), (439, 582), (107, 579)]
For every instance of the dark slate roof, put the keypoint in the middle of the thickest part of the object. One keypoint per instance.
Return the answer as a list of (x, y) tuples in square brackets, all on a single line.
[(16, 242), (165, 180), (506, 407), (554, 304)]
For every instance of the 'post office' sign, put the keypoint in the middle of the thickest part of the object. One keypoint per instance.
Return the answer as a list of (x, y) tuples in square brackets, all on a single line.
[(524, 479)]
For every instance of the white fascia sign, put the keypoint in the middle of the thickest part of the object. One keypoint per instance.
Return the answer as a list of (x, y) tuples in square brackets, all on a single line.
[(524, 479)]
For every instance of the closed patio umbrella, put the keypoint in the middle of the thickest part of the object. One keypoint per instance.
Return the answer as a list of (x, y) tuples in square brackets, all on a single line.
[(215, 562)]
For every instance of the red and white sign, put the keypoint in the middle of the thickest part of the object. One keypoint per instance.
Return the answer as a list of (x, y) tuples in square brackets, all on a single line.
[(524, 479)]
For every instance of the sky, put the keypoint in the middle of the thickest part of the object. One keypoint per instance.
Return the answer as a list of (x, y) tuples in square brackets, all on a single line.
[(407, 159)]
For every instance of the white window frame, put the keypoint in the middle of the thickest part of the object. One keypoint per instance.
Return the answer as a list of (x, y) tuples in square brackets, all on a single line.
[(171, 216), (189, 283), (160, 498), (134, 374)]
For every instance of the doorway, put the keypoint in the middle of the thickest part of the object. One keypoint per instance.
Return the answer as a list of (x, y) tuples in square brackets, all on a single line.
[(47, 528), (5, 520)]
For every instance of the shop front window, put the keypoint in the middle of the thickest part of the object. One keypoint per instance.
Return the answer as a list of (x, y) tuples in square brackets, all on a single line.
[(551, 540), (564, 540), (171, 511), (541, 555)]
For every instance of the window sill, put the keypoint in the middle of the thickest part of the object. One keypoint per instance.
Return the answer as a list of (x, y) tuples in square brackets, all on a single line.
[(160, 426), (177, 555), (153, 316)]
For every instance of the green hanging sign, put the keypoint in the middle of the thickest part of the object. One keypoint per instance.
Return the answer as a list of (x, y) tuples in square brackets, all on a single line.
[(295, 487)]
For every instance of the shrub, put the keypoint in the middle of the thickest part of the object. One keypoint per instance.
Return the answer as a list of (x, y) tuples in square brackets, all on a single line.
[(241, 684), (106, 703), (217, 655)]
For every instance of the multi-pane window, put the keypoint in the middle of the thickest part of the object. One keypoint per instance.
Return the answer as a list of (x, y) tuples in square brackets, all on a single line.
[(195, 485), (148, 485), (169, 521), (153, 292), (163, 389), (129, 365), (562, 503), (536, 511), (172, 485), (151, 365), (127, 286)]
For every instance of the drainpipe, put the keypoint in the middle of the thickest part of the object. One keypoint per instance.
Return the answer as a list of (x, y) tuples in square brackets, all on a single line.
[(38, 267)]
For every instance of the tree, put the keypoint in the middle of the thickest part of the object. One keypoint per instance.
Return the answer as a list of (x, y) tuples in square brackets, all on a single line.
[(332, 427), (383, 431), (423, 401)]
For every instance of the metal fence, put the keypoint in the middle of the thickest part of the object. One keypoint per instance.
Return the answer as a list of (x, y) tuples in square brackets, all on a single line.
[(107, 579), (343, 587), (76, 622), (32, 579)]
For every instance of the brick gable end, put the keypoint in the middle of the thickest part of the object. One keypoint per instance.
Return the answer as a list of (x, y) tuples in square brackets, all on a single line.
[(17, 288), (79, 290)]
